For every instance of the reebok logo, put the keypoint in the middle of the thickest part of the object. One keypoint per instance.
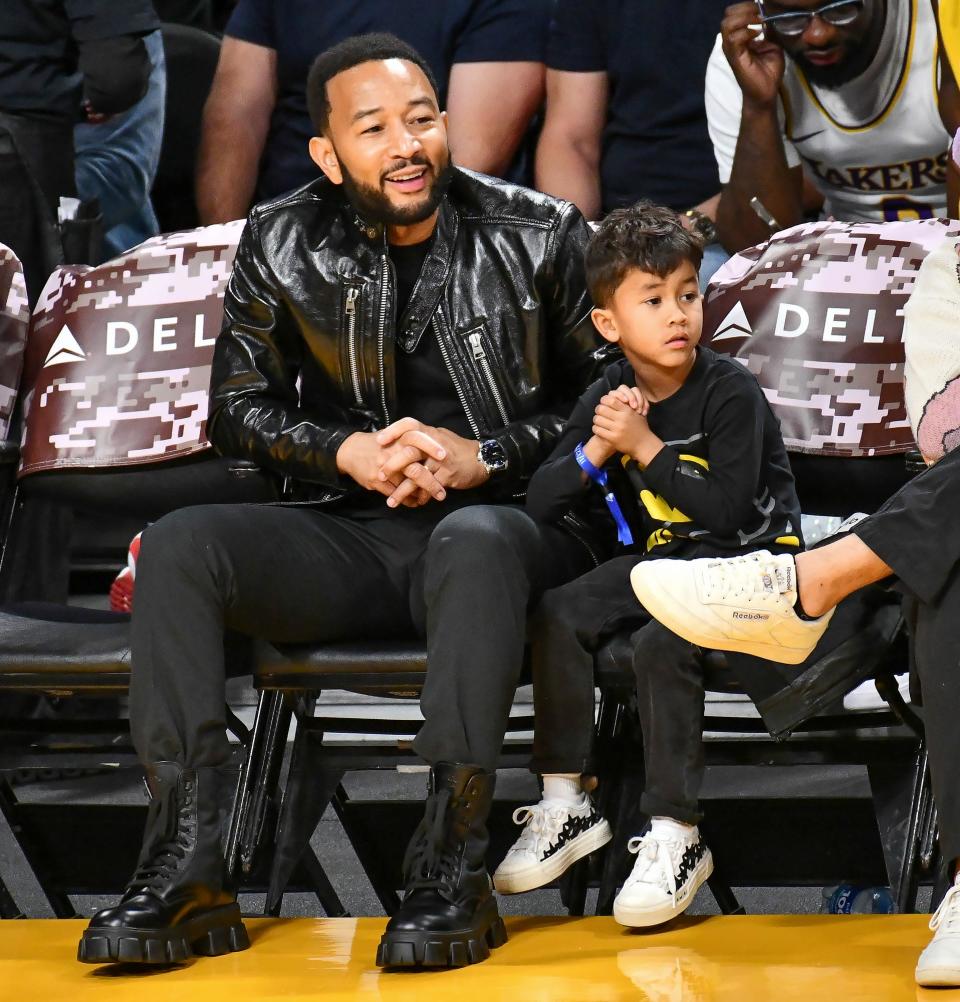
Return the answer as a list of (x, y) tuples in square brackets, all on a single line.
[(734, 324), (64, 349), (757, 616)]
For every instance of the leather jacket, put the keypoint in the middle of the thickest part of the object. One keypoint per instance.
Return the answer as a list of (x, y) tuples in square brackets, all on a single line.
[(306, 355)]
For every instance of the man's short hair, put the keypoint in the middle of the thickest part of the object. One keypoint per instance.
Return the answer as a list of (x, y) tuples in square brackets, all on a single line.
[(644, 236), (375, 47)]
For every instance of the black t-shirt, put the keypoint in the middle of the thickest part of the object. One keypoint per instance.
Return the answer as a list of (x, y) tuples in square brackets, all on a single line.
[(444, 32), (722, 481), (655, 52), (424, 388), (39, 39)]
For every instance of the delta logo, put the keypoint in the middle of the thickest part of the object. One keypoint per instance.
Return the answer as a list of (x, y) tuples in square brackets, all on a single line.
[(817, 320), (121, 338)]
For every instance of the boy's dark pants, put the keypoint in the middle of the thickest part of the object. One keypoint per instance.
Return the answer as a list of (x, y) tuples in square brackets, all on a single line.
[(570, 625)]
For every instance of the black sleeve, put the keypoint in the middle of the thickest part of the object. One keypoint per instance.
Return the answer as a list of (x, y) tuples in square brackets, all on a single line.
[(504, 31), (115, 71), (255, 410), (721, 498), (559, 484), (575, 42), (572, 350)]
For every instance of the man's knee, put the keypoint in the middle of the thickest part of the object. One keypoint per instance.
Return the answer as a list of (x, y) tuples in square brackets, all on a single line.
[(181, 543), (483, 534)]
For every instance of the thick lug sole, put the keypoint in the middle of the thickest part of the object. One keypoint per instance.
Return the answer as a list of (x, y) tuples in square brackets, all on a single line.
[(442, 949), (643, 918), (538, 874), (208, 934)]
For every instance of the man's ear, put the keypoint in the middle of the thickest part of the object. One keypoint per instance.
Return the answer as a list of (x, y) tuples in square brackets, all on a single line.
[(605, 324), (324, 156)]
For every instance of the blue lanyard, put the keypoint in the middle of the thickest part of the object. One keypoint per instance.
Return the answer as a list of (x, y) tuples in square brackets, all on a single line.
[(599, 477)]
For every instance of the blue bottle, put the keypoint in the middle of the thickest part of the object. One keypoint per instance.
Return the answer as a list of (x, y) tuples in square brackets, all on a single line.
[(874, 901)]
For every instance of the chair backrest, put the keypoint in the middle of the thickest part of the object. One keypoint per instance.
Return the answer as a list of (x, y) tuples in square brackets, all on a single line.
[(816, 313), (14, 319)]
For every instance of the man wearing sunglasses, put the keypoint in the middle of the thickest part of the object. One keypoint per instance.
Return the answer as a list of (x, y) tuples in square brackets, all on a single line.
[(844, 92)]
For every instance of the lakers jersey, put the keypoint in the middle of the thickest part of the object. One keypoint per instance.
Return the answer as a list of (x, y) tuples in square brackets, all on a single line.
[(875, 147)]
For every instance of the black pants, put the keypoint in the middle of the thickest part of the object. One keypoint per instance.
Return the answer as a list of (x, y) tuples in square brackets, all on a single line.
[(569, 626), (294, 574), (917, 534)]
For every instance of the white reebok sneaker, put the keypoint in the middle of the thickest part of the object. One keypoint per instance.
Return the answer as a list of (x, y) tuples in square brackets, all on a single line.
[(939, 964), (665, 878), (554, 837), (740, 603)]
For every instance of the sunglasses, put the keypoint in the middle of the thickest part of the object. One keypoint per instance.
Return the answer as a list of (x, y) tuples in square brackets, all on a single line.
[(795, 22)]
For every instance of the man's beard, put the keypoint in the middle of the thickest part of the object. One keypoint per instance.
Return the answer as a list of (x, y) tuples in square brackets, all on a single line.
[(855, 61), (374, 205)]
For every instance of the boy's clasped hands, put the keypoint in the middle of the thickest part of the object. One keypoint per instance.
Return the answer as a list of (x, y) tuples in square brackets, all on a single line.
[(620, 425)]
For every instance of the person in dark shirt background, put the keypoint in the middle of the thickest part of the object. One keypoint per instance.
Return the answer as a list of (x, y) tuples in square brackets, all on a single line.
[(61, 61), (487, 56), (625, 116)]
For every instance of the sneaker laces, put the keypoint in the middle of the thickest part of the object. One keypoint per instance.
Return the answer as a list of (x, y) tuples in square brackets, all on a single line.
[(745, 577), (947, 914), (167, 847), (657, 862), (542, 823), (431, 860)]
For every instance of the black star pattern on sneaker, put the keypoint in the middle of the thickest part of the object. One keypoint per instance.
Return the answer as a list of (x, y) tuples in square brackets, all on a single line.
[(573, 827), (691, 856)]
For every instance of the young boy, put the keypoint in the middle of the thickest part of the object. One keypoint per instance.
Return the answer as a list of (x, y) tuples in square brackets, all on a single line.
[(682, 447)]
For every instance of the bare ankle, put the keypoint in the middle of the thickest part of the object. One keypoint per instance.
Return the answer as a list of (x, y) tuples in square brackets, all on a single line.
[(810, 591)]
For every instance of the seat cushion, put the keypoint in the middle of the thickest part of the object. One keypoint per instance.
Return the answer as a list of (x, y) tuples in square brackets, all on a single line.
[(43, 646)]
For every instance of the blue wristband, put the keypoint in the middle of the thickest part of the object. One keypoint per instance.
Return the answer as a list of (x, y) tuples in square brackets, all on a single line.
[(599, 477)]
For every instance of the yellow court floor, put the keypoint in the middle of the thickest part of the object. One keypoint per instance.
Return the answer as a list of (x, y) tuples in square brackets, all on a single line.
[(734, 959)]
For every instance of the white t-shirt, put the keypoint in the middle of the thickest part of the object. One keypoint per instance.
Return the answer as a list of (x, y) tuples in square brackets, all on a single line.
[(875, 147)]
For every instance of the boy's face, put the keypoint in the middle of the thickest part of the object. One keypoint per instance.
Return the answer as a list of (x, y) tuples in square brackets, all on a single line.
[(656, 321)]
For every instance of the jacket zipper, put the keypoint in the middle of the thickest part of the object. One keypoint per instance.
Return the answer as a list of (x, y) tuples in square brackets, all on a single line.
[(353, 294), (480, 356), (454, 378), (381, 336)]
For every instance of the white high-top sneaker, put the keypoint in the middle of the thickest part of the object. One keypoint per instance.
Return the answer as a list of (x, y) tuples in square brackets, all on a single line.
[(554, 837), (670, 868), (939, 964), (740, 603)]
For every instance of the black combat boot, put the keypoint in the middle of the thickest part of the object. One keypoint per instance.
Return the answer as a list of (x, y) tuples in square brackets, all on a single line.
[(449, 915), (176, 905)]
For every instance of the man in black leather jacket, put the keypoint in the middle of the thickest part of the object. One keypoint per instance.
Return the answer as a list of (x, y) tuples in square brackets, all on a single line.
[(401, 340)]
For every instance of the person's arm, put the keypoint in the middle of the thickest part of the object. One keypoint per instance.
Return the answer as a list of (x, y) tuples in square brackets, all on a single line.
[(760, 166), (236, 120), (559, 485), (568, 152), (721, 498), (489, 107), (255, 410)]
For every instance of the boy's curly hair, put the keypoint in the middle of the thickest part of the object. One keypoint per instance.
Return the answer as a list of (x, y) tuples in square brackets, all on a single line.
[(645, 236)]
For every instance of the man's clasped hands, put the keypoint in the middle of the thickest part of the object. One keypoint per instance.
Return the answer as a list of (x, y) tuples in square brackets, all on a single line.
[(411, 463)]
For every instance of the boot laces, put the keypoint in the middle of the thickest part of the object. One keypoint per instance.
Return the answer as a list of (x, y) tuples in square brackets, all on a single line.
[(947, 916), (658, 860), (542, 823), (431, 860), (167, 847)]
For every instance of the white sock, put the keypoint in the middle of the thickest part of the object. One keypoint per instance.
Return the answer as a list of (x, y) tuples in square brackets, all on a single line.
[(672, 829), (563, 788)]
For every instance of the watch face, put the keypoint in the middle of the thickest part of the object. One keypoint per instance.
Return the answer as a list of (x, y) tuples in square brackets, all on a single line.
[(492, 455)]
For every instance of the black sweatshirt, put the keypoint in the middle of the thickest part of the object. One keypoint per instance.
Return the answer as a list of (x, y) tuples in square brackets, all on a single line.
[(722, 478)]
